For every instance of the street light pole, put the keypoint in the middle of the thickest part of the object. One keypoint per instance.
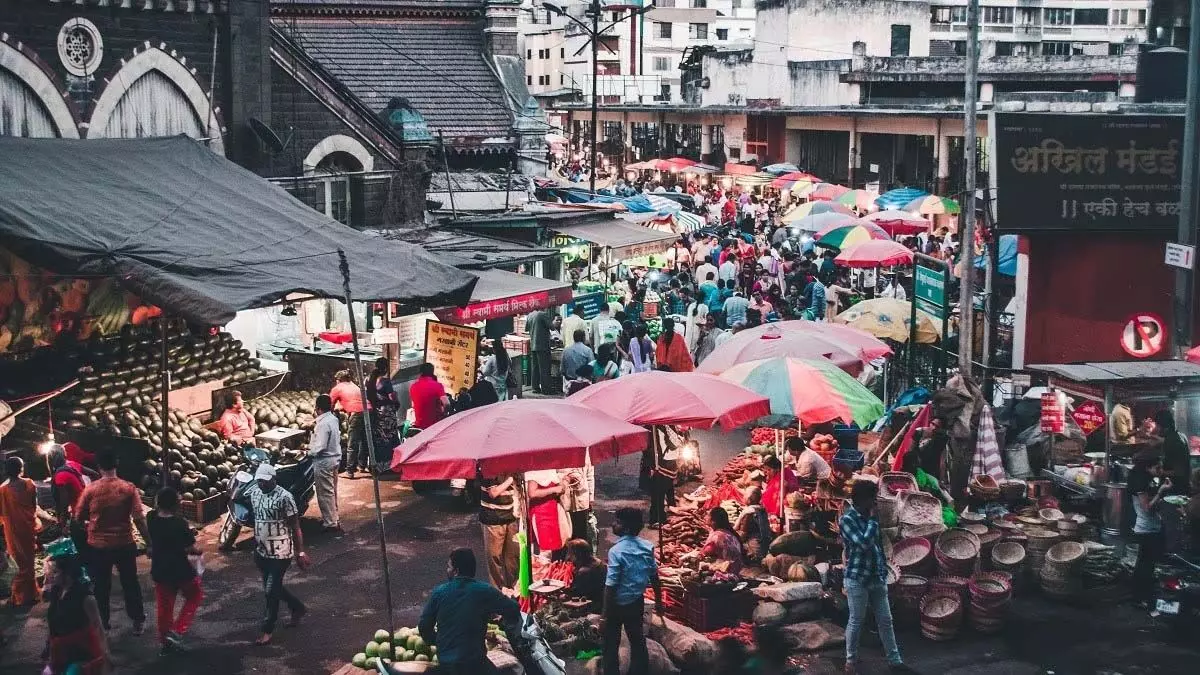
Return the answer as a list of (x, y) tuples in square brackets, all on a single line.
[(1189, 213), (595, 10), (966, 297)]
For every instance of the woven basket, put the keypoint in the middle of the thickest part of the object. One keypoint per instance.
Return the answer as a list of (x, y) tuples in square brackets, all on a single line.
[(941, 615), (958, 585), (987, 541), (1008, 554), (928, 530), (977, 529), (888, 511), (1013, 490), (971, 517), (1041, 540), (912, 554), (1050, 516), (919, 508), (906, 598), (985, 487), (958, 544), (892, 483), (990, 587), (1030, 521), (1066, 554)]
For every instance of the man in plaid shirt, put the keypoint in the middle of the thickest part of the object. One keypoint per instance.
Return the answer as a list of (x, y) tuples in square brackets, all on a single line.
[(866, 576)]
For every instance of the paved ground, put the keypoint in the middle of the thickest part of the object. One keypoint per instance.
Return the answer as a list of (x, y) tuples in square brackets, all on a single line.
[(344, 590)]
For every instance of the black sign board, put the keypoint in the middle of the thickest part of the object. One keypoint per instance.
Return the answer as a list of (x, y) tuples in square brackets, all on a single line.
[(1087, 172), (591, 303)]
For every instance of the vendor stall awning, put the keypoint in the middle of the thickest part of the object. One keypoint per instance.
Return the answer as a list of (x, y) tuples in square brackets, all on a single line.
[(194, 233), (499, 294), (625, 239)]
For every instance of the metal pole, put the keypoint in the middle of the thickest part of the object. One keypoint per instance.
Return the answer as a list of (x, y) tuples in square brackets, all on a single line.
[(966, 297), (1185, 279), (595, 10), (344, 267), (449, 185), (165, 381)]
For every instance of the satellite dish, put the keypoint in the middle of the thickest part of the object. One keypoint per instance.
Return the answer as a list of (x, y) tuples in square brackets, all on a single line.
[(266, 135), (7, 419)]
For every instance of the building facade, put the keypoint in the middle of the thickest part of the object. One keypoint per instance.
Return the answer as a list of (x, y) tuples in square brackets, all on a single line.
[(1041, 27)]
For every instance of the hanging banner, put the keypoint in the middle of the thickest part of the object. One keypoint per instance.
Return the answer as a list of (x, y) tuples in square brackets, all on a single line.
[(453, 351), (1053, 420), (499, 308)]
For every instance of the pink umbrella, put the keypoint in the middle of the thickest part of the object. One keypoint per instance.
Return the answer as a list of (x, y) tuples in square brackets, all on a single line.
[(513, 437), (828, 192), (861, 342), (685, 399), (875, 253), (774, 342)]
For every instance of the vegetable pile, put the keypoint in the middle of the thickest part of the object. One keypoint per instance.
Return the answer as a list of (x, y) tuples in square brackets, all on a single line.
[(766, 435), (405, 644), (567, 634)]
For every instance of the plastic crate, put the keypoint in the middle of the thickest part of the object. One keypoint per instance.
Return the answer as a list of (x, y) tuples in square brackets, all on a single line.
[(713, 613), (205, 510)]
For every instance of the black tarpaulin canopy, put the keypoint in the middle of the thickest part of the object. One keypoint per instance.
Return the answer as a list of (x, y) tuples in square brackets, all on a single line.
[(194, 233)]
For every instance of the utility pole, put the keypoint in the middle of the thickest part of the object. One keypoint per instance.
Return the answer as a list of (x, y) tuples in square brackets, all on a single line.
[(1185, 279), (966, 297), (595, 10)]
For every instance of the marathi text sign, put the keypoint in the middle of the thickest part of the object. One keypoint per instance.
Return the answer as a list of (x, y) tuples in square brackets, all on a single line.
[(1090, 416), (453, 351), (1087, 172), (1053, 419), (504, 307)]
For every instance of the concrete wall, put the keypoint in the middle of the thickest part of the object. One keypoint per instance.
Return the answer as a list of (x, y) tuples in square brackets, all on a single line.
[(816, 30)]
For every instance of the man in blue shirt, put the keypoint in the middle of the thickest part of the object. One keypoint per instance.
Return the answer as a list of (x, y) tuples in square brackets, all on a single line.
[(865, 578), (631, 568), (456, 616), (735, 309)]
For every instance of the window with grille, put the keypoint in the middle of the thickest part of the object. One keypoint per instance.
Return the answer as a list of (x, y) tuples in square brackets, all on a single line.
[(662, 63), (1001, 15), (698, 31), (1091, 17), (662, 30), (1056, 17), (901, 36), (945, 15), (722, 33), (1056, 49)]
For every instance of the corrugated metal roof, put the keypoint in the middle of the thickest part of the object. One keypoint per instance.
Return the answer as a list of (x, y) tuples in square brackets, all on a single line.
[(1118, 371)]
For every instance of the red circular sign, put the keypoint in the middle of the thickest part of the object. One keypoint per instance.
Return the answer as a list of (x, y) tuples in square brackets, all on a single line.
[(1144, 335)]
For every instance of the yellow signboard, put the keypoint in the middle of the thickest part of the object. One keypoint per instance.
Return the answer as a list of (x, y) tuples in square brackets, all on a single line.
[(453, 351)]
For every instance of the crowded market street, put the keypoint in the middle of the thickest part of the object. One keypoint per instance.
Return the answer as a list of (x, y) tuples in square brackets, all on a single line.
[(345, 583)]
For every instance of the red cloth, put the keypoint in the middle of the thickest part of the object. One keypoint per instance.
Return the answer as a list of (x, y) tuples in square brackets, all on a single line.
[(544, 513), (906, 444), (164, 595), (238, 426), (335, 337), (674, 356), (771, 497), (71, 483), (348, 396), (82, 647), (426, 396), (78, 454)]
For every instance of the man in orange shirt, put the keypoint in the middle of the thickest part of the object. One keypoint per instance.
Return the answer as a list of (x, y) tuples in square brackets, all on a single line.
[(236, 423), (347, 397)]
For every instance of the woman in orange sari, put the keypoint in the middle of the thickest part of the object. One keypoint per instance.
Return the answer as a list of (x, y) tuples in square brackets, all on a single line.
[(19, 515), (672, 353)]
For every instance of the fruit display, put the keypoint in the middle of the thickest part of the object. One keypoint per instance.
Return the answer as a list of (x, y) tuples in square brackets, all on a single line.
[(406, 644)]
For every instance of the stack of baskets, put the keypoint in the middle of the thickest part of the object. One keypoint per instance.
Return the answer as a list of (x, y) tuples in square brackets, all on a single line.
[(1012, 489), (1050, 516), (1009, 557), (1060, 573), (987, 542), (1071, 526), (957, 552), (914, 556), (893, 483), (928, 530), (990, 593), (985, 488), (960, 586), (906, 597), (887, 509), (1040, 540), (941, 615)]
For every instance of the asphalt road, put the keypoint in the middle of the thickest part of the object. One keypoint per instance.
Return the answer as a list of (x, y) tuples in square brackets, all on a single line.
[(344, 592)]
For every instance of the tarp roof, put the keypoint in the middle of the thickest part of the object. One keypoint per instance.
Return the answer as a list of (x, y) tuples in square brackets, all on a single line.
[(194, 233), (627, 240)]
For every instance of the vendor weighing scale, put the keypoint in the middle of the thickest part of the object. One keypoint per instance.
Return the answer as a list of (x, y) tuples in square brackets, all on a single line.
[(281, 438)]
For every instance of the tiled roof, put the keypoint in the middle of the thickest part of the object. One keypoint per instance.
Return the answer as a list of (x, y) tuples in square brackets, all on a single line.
[(439, 67)]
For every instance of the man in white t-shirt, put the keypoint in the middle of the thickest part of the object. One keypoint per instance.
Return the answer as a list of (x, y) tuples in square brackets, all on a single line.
[(808, 465), (604, 328), (572, 323)]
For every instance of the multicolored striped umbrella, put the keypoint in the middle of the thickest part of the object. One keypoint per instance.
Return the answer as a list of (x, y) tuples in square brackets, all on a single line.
[(862, 200), (790, 177), (933, 205), (813, 208), (848, 234), (820, 221), (898, 222), (899, 198), (813, 390), (828, 192), (804, 188)]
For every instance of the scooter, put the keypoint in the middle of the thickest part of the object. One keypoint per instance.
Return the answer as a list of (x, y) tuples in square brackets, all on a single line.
[(298, 479), (1178, 599)]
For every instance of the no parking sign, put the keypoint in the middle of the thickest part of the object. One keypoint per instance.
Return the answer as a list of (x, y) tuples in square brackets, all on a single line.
[(1144, 335)]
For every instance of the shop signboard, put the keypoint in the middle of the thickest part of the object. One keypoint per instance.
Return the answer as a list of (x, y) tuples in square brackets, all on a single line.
[(1086, 172), (591, 303), (929, 290), (1090, 416), (499, 308), (453, 351), (1053, 420)]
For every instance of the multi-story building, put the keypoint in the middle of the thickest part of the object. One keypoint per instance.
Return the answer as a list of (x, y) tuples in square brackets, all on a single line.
[(1040, 27), (640, 48)]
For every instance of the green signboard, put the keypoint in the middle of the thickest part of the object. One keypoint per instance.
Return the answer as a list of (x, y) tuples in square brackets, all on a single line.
[(929, 290)]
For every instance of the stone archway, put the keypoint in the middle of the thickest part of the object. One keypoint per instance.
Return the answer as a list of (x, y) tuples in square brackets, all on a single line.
[(153, 94), (338, 143), (31, 98)]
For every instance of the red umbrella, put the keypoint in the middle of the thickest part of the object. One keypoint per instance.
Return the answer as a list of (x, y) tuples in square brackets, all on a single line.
[(685, 399), (513, 437), (875, 253), (863, 343), (774, 342), (790, 177), (898, 222), (1193, 354)]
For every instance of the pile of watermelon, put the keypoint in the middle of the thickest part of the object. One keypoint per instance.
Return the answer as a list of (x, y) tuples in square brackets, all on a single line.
[(405, 644)]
